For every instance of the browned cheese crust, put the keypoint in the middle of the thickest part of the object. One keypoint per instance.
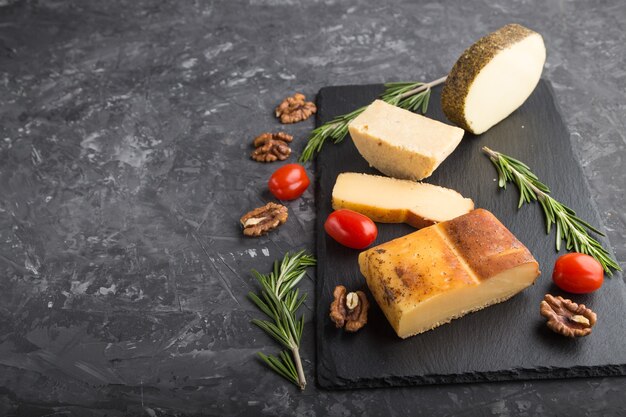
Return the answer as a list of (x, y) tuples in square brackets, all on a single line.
[(389, 216), (470, 63), (485, 244)]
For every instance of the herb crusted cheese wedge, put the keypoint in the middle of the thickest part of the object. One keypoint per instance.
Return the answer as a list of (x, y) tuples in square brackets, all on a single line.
[(493, 77), (442, 272)]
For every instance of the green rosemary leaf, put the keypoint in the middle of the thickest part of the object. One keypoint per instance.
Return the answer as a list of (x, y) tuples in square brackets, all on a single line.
[(279, 367), (263, 306), (300, 327), (425, 102), (558, 236), (287, 362), (277, 332), (299, 302), (569, 227), (547, 209)]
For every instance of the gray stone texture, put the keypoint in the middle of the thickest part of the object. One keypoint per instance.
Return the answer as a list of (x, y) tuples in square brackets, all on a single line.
[(125, 130)]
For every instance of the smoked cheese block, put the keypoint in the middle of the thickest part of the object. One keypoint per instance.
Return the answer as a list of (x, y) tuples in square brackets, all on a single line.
[(442, 272)]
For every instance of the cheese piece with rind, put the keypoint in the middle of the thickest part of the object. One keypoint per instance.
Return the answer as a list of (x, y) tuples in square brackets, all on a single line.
[(493, 77), (389, 200), (442, 272)]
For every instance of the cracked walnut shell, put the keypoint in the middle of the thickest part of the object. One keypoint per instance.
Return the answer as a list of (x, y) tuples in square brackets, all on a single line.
[(349, 309), (295, 109), (272, 147), (264, 219), (566, 317)]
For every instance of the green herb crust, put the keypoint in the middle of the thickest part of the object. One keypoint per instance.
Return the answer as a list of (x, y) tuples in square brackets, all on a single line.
[(469, 65)]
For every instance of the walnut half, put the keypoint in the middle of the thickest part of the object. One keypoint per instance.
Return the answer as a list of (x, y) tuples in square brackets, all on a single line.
[(263, 219), (566, 317), (294, 109), (272, 147), (349, 309)]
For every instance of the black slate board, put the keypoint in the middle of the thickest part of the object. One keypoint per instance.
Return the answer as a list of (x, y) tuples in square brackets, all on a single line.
[(508, 341)]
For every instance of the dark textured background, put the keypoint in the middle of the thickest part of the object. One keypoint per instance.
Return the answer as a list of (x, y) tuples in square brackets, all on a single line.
[(124, 137)]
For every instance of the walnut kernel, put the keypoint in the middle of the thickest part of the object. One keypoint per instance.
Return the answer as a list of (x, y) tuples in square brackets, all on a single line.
[(272, 147), (566, 317), (352, 300), (264, 219), (294, 109), (349, 310)]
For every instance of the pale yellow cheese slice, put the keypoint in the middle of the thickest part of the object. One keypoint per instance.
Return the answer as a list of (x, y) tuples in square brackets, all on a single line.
[(389, 200), (442, 272), (400, 143)]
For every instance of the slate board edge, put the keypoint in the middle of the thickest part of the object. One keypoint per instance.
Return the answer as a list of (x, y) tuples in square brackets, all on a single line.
[(539, 373), (517, 374)]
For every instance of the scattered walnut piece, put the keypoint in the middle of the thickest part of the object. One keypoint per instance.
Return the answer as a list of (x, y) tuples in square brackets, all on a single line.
[(349, 309), (566, 317), (272, 147), (294, 109), (264, 219)]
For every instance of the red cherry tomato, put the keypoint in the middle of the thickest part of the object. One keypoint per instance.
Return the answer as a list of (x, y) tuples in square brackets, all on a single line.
[(351, 229), (578, 273), (288, 182)]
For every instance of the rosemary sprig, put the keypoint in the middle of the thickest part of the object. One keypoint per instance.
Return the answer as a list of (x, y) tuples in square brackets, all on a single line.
[(412, 96), (569, 227), (335, 130), (279, 299)]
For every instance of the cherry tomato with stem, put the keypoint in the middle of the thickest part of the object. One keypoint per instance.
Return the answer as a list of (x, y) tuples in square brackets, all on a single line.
[(288, 182), (351, 229), (578, 273)]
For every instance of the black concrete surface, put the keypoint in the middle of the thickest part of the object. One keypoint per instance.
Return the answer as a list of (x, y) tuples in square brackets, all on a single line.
[(125, 131)]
